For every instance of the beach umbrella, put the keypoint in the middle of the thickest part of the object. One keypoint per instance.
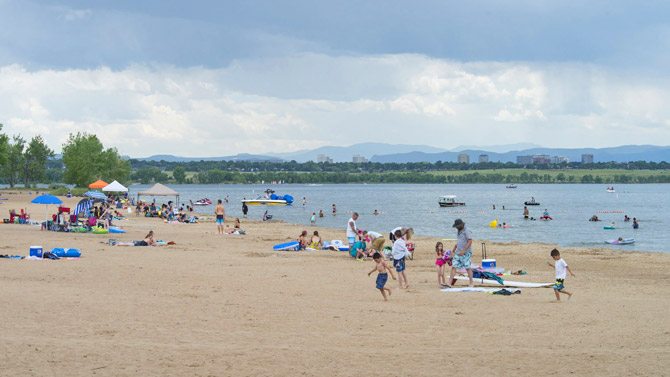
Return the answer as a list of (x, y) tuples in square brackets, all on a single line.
[(95, 195), (46, 199)]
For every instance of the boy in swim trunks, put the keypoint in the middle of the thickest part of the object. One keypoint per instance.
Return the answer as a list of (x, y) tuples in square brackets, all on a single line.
[(220, 213), (561, 268), (382, 276)]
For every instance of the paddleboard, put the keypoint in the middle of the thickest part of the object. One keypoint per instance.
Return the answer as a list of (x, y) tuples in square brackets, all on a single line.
[(507, 283), (477, 289), (287, 246)]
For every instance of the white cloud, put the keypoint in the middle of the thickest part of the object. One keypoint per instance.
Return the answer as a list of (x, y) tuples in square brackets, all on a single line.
[(311, 100)]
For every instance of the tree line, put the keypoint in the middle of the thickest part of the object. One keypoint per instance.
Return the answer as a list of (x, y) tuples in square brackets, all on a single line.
[(84, 160)]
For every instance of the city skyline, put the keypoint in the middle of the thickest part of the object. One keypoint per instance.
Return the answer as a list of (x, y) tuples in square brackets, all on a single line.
[(221, 78)]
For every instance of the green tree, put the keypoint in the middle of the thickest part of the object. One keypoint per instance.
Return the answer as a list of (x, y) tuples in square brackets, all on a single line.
[(35, 160), (4, 147), (179, 174), (86, 161), (14, 160)]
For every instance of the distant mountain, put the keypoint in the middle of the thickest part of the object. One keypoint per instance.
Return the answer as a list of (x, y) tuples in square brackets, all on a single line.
[(497, 148), (344, 154), (237, 157), (623, 153)]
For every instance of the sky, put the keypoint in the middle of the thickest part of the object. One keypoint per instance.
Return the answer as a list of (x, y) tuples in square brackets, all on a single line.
[(217, 78)]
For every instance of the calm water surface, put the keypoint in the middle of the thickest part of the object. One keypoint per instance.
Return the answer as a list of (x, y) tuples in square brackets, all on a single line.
[(417, 206)]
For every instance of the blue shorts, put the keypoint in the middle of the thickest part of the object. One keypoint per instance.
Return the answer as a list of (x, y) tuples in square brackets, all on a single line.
[(462, 262), (399, 264), (219, 219), (381, 280), (352, 240), (558, 285)]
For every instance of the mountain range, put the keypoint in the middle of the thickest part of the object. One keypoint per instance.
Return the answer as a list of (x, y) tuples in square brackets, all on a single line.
[(381, 152)]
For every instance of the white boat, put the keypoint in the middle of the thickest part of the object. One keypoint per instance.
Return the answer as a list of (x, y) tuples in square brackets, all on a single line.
[(270, 199), (610, 189), (270, 202), (507, 283), (449, 201)]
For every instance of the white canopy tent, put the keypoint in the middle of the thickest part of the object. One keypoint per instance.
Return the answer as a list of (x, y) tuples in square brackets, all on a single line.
[(159, 190), (115, 187)]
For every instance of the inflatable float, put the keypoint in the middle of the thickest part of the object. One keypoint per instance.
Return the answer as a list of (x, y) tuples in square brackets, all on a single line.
[(625, 241), (293, 246), (116, 230), (609, 227), (99, 231), (65, 252)]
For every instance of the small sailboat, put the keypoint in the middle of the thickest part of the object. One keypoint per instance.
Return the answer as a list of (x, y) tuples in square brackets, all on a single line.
[(610, 189)]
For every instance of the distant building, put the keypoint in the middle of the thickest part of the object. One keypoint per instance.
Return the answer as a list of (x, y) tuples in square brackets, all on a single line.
[(483, 158), (357, 158), (587, 158), (541, 159), (463, 158), (323, 158), (524, 160), (559, 159)]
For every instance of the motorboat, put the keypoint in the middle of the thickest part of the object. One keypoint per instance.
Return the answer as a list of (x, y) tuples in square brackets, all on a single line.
[(610, 189), (449, 201), (510, 186), (271, 199)]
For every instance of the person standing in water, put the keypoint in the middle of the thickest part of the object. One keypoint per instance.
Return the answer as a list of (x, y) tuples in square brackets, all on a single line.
[(220, 213), (525, 212)]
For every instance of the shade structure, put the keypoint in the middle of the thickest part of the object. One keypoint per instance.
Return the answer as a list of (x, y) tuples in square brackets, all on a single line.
[(46, 199), (83, 206), (95, 195), (159, 190), (98, 184), (115, 187)]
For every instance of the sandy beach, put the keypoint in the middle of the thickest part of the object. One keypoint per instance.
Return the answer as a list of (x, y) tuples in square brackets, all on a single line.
[(228, 305)]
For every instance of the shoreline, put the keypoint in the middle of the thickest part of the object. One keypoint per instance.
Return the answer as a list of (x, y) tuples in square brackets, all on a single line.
[(211, 304)]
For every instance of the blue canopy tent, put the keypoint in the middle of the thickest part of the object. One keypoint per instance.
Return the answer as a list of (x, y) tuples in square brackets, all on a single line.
[(46, 199)]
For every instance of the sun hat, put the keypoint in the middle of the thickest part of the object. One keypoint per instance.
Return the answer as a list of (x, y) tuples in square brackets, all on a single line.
[(458, 223)]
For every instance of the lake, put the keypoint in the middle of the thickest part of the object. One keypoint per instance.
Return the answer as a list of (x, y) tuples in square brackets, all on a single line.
[(414, 205)]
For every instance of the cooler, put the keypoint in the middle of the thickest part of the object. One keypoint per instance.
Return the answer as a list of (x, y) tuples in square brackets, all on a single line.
[(36, 251), (488, 263)]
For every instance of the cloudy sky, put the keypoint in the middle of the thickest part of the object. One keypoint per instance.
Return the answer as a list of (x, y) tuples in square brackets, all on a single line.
[(213, 78)]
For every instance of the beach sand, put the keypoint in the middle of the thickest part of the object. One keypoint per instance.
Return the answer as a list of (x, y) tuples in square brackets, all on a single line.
[(228, 305)]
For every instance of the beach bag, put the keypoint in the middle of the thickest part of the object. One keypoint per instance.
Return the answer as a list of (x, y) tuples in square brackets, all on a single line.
[(112, 241)]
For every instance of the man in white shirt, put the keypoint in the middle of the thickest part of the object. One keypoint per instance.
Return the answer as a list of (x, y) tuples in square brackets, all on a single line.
[(352, 231)]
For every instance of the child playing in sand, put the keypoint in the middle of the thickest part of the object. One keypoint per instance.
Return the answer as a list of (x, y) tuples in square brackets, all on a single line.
[(561, 268), (382, 276), (443, 258), (399, 252)]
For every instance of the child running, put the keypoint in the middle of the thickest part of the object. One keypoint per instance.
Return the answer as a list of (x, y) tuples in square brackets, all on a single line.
[(399, 252), (443, 258), (561, 268), (382, 276)]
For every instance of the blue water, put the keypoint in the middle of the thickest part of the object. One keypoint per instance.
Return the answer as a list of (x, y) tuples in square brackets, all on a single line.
[(417, 206)]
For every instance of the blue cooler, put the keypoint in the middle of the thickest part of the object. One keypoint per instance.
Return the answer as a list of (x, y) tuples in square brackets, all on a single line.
[(36, 251), (489, 263)]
